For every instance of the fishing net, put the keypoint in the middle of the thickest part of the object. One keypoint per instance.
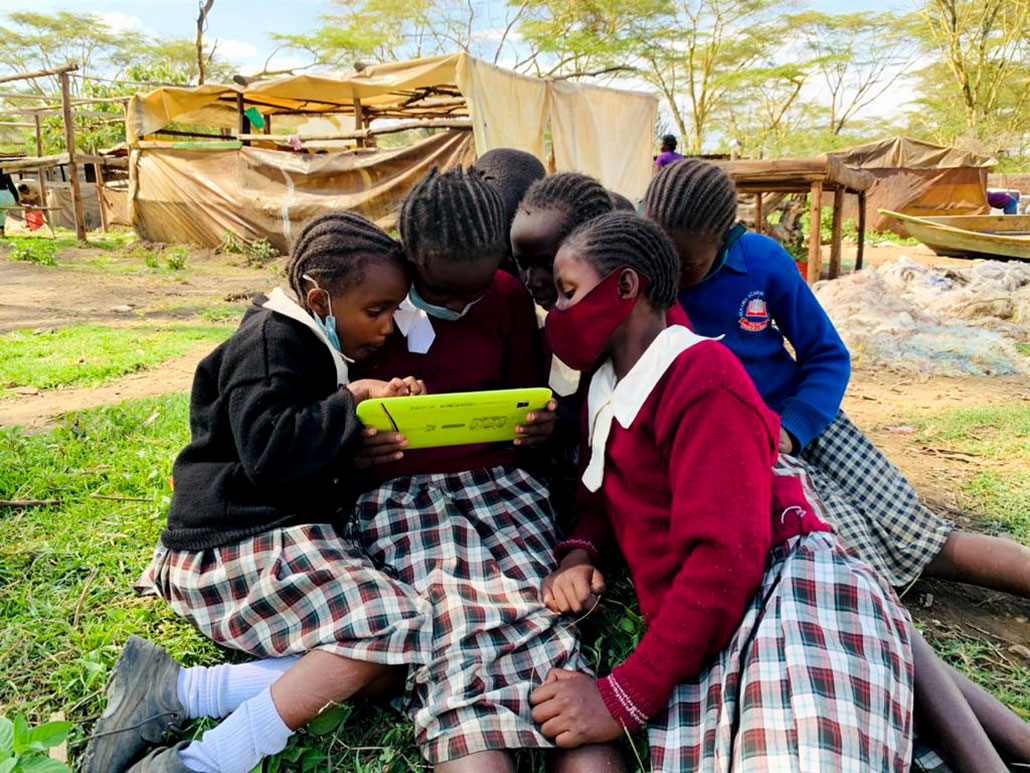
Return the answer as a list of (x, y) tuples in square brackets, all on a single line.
[(910, 317)]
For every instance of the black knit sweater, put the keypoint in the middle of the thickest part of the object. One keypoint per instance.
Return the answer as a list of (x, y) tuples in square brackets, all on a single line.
[(271, 435)]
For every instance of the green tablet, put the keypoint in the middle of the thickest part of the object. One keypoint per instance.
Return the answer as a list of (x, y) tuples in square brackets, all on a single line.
[(455, 419)]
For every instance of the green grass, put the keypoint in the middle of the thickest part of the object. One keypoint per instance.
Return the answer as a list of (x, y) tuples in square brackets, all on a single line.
[(1000, 434), (88, 355)]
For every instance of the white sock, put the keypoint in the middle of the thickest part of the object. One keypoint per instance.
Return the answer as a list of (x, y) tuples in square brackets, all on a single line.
[(244, 738), (217, 691)]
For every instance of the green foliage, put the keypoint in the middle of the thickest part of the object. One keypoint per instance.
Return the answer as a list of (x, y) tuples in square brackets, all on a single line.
[(260, 251), (175, 258), (34, 250), (88, 355), (1000, 433), (23, 749), (230, 244)]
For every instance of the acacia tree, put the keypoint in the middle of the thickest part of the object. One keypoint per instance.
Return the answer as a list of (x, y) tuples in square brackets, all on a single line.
[(391, 30), (858, 58), (981, 46)]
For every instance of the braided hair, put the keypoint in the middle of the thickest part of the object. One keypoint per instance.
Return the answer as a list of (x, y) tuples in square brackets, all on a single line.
[(620, 203), (334, 248), (624, 240), (694, 196), (581, 198), (453, 214), (510, 172)]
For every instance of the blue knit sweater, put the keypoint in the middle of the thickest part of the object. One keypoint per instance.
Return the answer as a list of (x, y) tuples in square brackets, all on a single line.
[(757, 299)]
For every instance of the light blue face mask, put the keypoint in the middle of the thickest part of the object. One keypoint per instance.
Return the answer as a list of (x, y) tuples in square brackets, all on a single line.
[(327, 325), (440, 312)]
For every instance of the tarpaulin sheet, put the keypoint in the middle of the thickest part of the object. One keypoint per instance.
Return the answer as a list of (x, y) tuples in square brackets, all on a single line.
[(605, 133), (197, 195), (905, 152), (507, 110)]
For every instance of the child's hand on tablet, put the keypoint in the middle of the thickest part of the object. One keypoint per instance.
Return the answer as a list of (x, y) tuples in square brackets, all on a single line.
[(538, 426), (370, 388), (379, 448)]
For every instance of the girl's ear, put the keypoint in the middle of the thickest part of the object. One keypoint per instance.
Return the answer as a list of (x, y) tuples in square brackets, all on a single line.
[(318, 301), (629, 283)]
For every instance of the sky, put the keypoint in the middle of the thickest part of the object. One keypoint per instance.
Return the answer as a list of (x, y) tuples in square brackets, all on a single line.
[(243, 27)]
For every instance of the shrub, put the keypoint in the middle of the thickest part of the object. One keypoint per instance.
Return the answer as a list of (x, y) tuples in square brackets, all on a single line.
[(24, 749), (175, 258), (260, 251), (38, 251)]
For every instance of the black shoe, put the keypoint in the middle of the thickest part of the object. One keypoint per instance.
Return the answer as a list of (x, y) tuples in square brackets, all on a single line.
[(164, 760), (142, 705)]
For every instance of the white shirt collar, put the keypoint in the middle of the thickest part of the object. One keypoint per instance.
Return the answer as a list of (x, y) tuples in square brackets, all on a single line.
[(281, 303), (415, 325), (609, 399)]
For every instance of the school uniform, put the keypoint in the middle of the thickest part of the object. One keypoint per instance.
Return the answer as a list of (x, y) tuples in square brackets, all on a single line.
[(768, 646), (758, 300), (254, 555), (472, 534)]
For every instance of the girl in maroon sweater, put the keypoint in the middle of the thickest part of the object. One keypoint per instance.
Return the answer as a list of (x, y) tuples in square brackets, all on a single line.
[(768, 647), (469, 531)]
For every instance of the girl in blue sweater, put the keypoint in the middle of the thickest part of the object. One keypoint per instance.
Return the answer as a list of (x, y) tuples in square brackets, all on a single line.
[(744, 287)]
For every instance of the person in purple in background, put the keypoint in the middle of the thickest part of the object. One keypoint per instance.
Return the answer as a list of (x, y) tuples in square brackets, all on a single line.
[(1006, 202), (668, 154)]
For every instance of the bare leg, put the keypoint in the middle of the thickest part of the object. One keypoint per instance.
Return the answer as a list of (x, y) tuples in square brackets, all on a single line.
[(945, 716), (977, 559), (1007, 731), (480, 762), (321, 679), (593, 758)]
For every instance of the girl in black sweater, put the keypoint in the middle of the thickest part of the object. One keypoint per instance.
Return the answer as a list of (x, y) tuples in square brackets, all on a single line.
[(253, 554)]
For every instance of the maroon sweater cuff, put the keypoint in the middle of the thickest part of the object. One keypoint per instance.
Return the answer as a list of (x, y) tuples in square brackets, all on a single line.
[(575, 542), (623, 703)]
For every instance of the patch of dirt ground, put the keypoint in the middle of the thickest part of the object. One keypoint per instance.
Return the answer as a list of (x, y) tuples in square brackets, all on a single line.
[(91, 285)]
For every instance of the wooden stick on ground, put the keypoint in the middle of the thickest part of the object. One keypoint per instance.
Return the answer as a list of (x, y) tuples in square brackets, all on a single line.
[(12, 503), (59, 752), (120, 499)]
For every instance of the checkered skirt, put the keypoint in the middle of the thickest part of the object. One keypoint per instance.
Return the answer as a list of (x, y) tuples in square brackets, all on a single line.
[(292, 590), (476, 547), (818, 676), (871, 505)]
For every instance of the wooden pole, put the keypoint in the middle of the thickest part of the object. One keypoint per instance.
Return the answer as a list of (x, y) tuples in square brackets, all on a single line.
[(243, 122), (42, 177), (861, 232), (758, 213), (364, 133), (838, 215), (815, 250), (73, 171), (359, 117), (98, 172), (63, 70)]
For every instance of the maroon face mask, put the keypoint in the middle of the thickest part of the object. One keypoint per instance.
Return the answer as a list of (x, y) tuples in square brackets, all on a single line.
[(577, 335)]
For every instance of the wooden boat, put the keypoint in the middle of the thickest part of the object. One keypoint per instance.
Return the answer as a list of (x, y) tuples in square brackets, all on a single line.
[(995, 237)]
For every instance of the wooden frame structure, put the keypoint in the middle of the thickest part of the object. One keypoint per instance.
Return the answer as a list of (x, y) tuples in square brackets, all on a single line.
[(815, 176), (71, 157)]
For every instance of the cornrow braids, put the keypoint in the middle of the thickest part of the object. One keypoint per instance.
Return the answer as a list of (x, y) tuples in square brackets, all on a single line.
[(621, 203), (510, 172), (454, 214), (692, 195), (581, 198), (333, 249), (622, 239)]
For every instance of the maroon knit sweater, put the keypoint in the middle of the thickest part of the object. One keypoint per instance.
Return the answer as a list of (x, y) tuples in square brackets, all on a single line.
[(687, 496)]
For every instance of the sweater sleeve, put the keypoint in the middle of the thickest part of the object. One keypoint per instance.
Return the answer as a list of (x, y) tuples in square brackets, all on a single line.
[(824, 365), (279, 440), (719, 451)]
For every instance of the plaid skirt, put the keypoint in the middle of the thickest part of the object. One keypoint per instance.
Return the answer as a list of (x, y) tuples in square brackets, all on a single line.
[(818, 677), (289, 591), (870, 504), (475, 546)]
